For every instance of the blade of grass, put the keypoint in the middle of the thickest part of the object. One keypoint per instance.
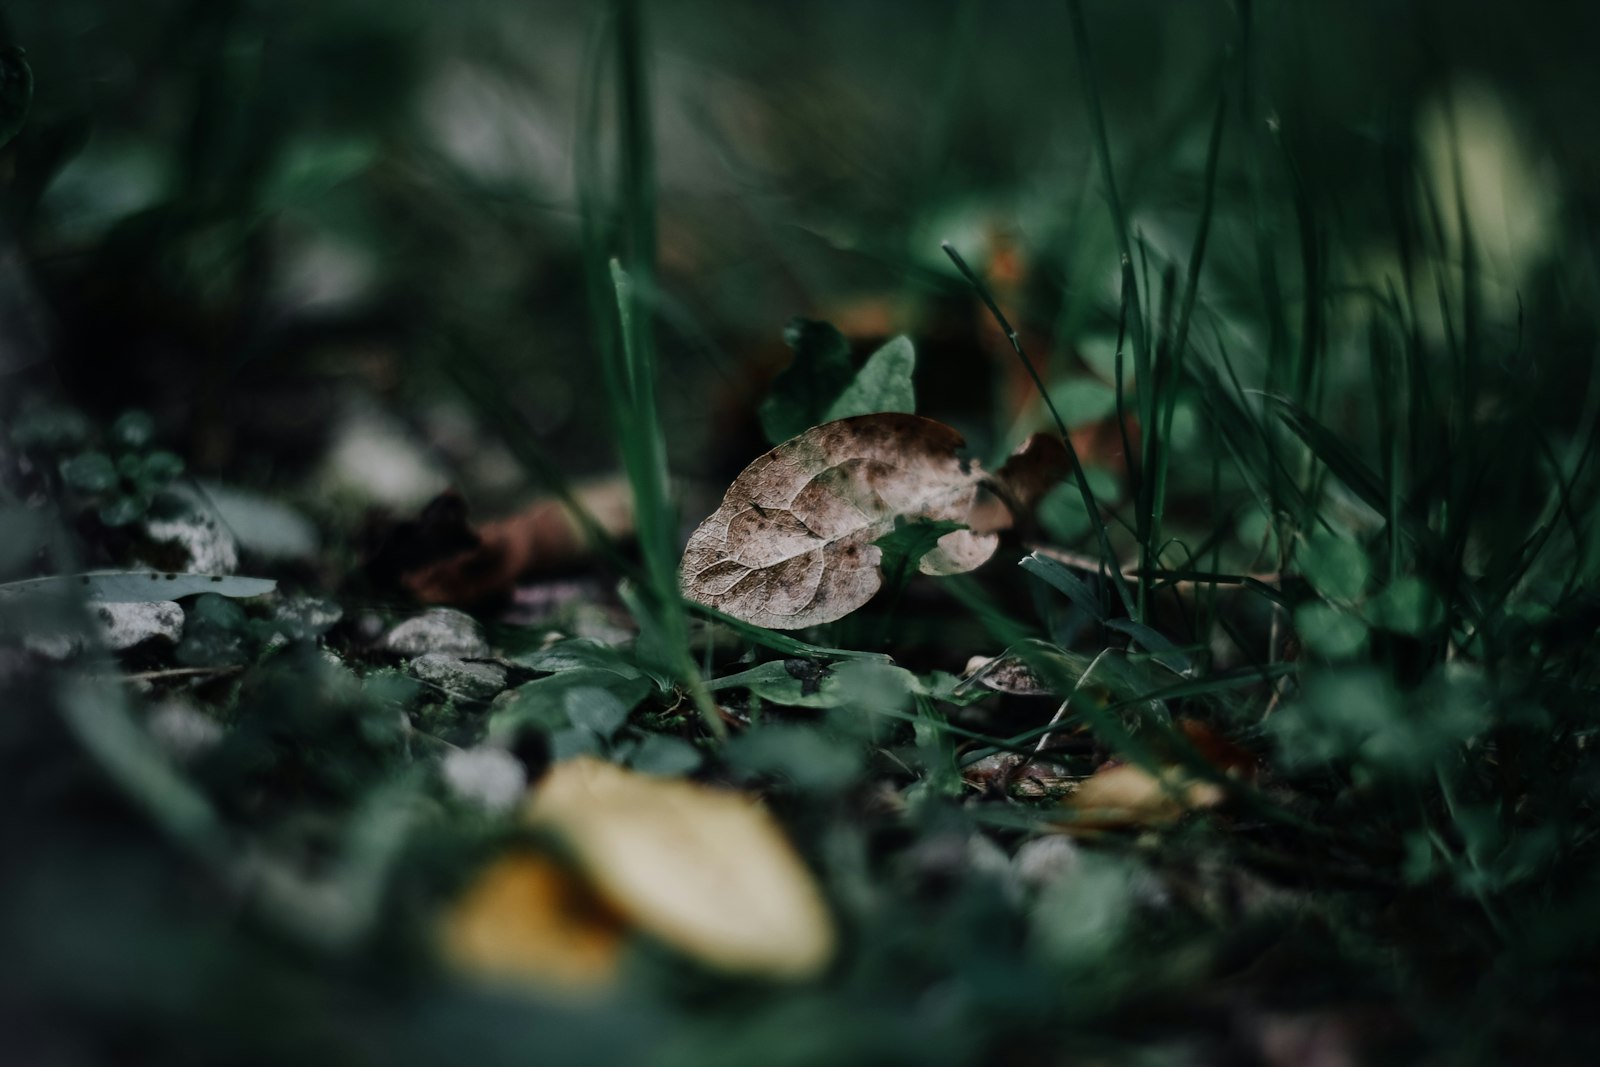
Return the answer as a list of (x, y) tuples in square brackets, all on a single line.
[(1257, 130), (1119, 217), (1173, 373), (781, 642), (1082, 480), (622, 297)]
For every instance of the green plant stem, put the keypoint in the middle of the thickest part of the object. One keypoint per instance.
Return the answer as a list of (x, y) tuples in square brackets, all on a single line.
[(1180, 338), (627, 343), (1084, 490)]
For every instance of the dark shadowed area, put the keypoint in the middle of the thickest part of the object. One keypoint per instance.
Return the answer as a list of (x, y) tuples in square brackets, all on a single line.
[(690, 533)]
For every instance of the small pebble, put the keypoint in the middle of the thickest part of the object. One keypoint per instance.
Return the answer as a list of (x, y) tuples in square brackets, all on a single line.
[(443, 630), (183, 731), (123, 626), (459, 676), (488, 776)]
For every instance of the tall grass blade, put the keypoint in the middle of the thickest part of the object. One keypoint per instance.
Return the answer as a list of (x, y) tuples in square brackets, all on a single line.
[(1093, 509)]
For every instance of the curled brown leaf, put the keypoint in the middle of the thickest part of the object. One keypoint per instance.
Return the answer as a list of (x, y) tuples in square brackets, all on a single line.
[(446, 561), (1122, 795), (792, 543), (1125, 795), (1036, 467)]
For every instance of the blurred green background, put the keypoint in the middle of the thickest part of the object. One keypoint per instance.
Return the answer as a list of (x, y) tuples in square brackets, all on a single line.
[(256, 218), (336, 249)]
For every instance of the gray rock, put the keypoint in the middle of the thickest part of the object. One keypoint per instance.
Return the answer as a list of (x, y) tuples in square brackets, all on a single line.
[(57, 645), (488, 776), (208, 544), (308, 616), (124, 625), (986, 858), (375, 457), (954, 856), (1044, 860), (183, 731), (459, 676), (444, 630)]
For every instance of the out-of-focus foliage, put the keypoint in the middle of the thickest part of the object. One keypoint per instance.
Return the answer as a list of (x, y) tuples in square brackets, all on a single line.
[(1311, 288)]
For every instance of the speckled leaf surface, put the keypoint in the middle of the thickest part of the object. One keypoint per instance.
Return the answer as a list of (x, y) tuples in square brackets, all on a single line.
[(792, 543)]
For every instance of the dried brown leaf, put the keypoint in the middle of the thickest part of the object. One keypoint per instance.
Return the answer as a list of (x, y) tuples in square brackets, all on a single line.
[(792, 543), (482, 565), (1125, 795), (1004, 674), (1227, 757), (1037, 466), (1009, 774)]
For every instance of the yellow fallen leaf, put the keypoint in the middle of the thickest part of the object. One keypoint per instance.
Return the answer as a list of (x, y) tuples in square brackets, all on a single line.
[(1126, 795), (527, 918), (704, 870)]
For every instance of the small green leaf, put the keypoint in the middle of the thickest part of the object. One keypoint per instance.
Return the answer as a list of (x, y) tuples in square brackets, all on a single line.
[(133, 430), (1058, 575), (1407, 606), (215, 632), (123, 511), (595, 709), (543, 702), (158, 469), (91, 472), (310, 168), (802, 394), (50, 428), (575, 653), (803, 755), (1348, 715), (1160, 647), (1082, 401), (573, 742), (665, 757), (1329, 632), (802, 684), (1081, 918), (910, 540), (1061, 511), (1335, 566), (883, 384), (134, 587)]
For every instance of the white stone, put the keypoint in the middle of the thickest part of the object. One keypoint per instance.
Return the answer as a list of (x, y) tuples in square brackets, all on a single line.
[(376, 457), (489, 776), (439, 630), (209, 545), (55, 645), (183, 731), (1045, 860), (124, 625)]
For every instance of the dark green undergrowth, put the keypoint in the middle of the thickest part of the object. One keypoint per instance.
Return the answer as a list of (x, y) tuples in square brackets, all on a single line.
[(1309, 289)]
